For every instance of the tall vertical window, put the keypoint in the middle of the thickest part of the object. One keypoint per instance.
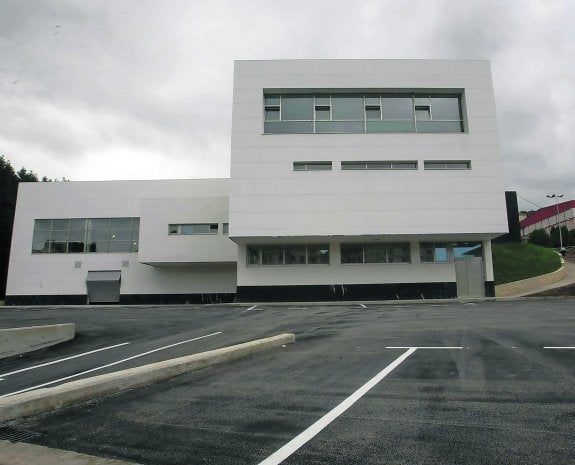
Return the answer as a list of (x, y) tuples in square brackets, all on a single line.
[(85, 235), (357, 112)]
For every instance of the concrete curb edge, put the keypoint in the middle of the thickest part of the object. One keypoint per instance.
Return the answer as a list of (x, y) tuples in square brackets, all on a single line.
[(49, 399)]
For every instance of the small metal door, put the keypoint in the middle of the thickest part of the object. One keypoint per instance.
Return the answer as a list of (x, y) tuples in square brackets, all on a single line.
[(103, 286), (469, 277)]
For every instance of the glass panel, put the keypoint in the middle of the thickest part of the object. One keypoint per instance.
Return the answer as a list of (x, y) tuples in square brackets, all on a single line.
[(458, 165), (397, 106), (421, 99), (312, 166), (40, 247), (351, 253), (134, 246), (120, 234), (297, 107), (225, 228), (121, 223), (289, 127), (390, 126), (318, 254), (173, 229), (272, 255), (58, 247), (378, 165), (342, 127), (41, 236), (347, 107), (433, 165), (440, 253), (322, 113), (439, 126), (373, 113), (398, 253), (98, 223), (253, 256), (353, 165), (97, 246), (42, 225), (78, 223), (135, 234), (445, 108), (422, 114), (375, 253), (322, 100), (76, 247), (97, 235), (60, 225), (294, 254), (59, 235), (272, 114), (272, 99), (135, 222), (426, 253), (404, 165), (467, 249), (77, 235), (214, 228), (120, 246), (372, 99), (194, 229)]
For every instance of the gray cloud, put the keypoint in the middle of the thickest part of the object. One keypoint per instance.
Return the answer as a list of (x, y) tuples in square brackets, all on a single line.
[(110, 90)]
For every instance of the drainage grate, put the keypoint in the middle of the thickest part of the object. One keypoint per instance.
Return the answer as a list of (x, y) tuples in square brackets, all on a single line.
[(9, 433)]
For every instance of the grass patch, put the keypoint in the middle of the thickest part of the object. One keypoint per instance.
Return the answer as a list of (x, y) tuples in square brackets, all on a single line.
[(514, 261)]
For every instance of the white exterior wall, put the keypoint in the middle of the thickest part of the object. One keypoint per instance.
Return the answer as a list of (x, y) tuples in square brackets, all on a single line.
[(269, 199), (161, 203)]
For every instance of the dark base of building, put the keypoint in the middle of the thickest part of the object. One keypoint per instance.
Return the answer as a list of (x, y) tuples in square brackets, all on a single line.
[(319, 293), (339, 292), (125, 299)]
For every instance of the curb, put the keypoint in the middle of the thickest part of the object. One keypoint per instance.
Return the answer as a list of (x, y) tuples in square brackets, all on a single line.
[(16, 341), (49, 399), (530, 285)]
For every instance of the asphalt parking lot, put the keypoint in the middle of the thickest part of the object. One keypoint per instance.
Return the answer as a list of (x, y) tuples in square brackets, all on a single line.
[(489, 382)]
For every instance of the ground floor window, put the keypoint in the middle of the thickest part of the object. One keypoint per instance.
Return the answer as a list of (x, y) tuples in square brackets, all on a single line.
[(288, 254), (377, 252), (441, 252)]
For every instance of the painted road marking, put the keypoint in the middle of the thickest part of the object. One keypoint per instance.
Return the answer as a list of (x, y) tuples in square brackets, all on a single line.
[(559, 348), (283, 453), (64, 359), (251, 308), (297, 308), (421, 347), (363, 306), (108, 365)]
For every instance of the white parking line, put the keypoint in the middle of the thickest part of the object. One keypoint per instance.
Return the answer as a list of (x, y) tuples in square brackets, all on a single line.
[(283, 453), (554, 347), (422, 347), (251, 308), (108, 365), (63, 359)]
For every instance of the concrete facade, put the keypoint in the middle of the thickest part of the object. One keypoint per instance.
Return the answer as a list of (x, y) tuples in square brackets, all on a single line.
[(268, 202)]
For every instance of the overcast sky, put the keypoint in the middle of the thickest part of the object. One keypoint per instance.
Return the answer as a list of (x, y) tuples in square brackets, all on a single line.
[(142, 89)]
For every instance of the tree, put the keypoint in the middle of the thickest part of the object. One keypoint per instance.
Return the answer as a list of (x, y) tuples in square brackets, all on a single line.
[(540, 237), (9, 180)]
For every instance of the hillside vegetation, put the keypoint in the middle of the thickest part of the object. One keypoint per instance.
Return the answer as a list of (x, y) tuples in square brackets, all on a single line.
[(515, 261)]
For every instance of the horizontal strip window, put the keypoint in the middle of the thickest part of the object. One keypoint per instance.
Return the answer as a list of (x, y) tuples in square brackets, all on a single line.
[(379, 165), (447, 164), (312, 165), (193, 229), (288, 254), (376, 252), (352, 113), (86, 235), (440, 252)]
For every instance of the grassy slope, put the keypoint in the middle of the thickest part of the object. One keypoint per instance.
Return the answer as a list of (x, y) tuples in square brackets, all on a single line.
[(513, 261)]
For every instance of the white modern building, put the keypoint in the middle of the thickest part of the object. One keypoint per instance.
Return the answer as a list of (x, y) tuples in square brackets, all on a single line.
[(350, 180)]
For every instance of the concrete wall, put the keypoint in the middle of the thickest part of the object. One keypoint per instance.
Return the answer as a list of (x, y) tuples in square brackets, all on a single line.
[(15, 341)]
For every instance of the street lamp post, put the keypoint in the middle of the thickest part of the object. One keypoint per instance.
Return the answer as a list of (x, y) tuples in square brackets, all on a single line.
[(556, 197)]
